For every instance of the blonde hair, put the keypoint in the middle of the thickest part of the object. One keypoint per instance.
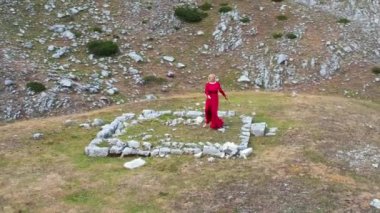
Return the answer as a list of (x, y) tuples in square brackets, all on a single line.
[(212, 76)]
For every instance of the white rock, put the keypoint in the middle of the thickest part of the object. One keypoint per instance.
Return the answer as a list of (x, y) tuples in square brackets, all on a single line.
[(169, 58), (8, 82), (134, 163), (68, 34), (180, 65), (38, 136), (375, 203), (95, 151), (97, 122), (198, 120), (246, 152), (200, 32), (136, 57), (211, 159), (85, 126), (258, 129), (65, 82), (198, 155), (244, 79), (282, 58)]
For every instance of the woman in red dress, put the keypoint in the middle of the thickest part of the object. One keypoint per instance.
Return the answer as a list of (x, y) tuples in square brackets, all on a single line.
[(212, 101)]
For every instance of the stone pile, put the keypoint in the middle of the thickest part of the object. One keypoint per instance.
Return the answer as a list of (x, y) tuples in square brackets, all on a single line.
[(106, 142)]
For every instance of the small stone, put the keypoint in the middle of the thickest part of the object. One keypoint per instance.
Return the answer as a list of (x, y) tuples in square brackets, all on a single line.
[(38, 136), (97, 122), (105, 73), (68, 34), (133, 144), (211, 159), (180, 65), (200, 32), (244, 79), (66, 82), (282, 58), (134, 163), (375, 203), (95, 151), (375, 165), (136, 57), (150, 97), (147, 145), (198, 155), (170, 74), (85, 126), (169, 58), (246, 152), (258, 129), (8, 82)]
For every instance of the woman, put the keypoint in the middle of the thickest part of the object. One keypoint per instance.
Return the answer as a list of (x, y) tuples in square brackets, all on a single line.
[(212, 101)]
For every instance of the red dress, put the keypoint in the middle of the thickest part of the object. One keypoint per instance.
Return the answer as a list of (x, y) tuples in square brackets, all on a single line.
[(211, 108)]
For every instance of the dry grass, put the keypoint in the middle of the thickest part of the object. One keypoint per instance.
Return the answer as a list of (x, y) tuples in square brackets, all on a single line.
[(53, 174)]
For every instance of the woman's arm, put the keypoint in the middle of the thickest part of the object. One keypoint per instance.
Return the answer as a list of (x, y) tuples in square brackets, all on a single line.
[(206, 92), (221, 91)]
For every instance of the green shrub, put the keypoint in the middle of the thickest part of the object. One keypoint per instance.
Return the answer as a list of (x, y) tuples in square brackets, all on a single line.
[(225, 9), (343, 21), (277, 0), (223, 4), (151, 79), (376, 70), (189, 14), (277, 35), (102, 48), (205, 6), (77, 33), (291, 36), (97, 29), (36, 87), (282, 17), (245, 20)]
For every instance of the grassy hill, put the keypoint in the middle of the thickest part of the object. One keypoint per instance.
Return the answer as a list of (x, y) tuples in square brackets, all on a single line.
[(321, 160)]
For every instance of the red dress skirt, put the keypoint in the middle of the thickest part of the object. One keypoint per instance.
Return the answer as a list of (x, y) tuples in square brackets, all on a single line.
[(212, 104)]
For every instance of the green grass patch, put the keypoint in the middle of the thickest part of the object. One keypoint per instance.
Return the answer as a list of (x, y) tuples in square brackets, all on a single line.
[(282, 17), (245, 20), (291, 36), (343, 21), (97, 29), (81, 197), (151, 79), (314, 156), (277, 35), (189, 14), (375, 70), (205, 6), (102, 48), (36, 87), (225, 9)]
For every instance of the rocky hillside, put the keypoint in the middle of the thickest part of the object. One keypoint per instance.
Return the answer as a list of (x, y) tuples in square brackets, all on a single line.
[(303, 45)]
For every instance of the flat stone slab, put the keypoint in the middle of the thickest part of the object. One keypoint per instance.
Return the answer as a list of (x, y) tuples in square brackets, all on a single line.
[(136, 163), (258, 129)]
